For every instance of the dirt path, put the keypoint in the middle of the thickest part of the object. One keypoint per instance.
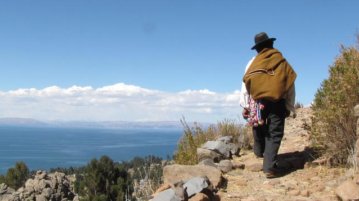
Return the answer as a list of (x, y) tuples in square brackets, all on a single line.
[(305, 182)]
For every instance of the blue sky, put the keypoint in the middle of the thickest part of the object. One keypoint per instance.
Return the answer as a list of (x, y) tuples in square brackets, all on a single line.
[(197, 48)]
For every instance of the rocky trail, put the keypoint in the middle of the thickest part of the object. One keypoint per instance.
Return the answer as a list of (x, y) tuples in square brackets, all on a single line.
[(308, 181)]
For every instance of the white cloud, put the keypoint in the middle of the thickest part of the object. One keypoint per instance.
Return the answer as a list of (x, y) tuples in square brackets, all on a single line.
[(118, 102)]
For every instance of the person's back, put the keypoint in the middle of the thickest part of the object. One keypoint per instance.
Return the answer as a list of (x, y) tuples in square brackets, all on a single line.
[(269, 82)]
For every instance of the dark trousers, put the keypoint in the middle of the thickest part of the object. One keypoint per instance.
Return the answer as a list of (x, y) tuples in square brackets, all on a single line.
[(268, 137)]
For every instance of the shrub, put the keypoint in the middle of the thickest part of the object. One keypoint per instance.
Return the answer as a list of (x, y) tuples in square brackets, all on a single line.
[(103, 180), (193, 137), (16, 176), (333, 125), (246, 138), (146, 174)]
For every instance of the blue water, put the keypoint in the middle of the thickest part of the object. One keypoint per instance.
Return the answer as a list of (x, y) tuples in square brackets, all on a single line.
[(45, 148)]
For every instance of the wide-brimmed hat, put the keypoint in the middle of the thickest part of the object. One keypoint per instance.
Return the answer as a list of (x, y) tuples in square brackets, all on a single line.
[(261, 38)]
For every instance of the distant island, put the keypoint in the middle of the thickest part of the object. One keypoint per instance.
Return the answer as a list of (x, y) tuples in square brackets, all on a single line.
[(28, 122)]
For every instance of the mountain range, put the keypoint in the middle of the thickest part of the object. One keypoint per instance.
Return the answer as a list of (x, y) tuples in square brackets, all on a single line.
[(28, 122)]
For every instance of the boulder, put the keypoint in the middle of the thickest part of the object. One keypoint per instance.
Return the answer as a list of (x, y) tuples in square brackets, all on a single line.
[(40, 174), (47, 192), (4, 189), (7, 193), (254, 166), (163, 187), (208, 162), (40, 198), (223, 146), (175, 173), (226, 139), (238, 165), (219, 147), (225, 166), (29, 186), (235, 149), (203, 154), (39, 185), (167, 195), (200, 197), (54, 186), (196, 185), (348, 190)]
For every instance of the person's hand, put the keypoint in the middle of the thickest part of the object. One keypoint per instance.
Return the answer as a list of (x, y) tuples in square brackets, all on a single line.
[(245, 113)]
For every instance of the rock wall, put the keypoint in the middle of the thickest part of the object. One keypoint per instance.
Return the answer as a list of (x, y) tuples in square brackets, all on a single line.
[(42, 187)]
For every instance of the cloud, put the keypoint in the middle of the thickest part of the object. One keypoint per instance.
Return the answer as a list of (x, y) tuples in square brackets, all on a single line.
[(118, 102)]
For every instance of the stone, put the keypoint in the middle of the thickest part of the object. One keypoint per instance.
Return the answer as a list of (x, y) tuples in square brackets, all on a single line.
[(47, 192), (356, 111), (255, 167), (203, 154), (348, 190), (179, 190), (76, 198), (40, 198), (40, 175), (225, 166), (167, 195), (319, 162), (290, 184), (293, 192), (200, 197), (7, 193), (196, 185), (8, 197), (39, 185), (3, 188), (54, 186), (175, 173), (304, 193), (29, 186), (238, 165), (250, 198), (272, 182), (208, 162), (356, 178), (163, 187), (240, 182), (235, 149), (225, 139), (317, 188), (218, 146)]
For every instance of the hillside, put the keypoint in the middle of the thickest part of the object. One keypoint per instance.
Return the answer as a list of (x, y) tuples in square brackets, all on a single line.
[(308, 181), (240, 177)]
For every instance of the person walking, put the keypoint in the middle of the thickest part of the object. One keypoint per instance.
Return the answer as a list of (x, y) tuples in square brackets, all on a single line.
[(267, 98)]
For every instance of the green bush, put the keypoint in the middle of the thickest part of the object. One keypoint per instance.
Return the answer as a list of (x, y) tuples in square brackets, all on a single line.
[(193, 137), (16, 176), (103, 180), (334, 124)]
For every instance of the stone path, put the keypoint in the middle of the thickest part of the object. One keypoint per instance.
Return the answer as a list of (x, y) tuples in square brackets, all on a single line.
[(304, 183)]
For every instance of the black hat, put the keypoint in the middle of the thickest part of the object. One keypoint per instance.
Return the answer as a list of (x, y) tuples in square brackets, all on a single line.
[(261, 38)]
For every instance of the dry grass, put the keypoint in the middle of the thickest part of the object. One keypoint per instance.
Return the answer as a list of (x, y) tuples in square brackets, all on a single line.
[(196, 135)]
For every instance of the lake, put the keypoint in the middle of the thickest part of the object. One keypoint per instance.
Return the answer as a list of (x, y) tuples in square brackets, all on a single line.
[(45, 148)]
